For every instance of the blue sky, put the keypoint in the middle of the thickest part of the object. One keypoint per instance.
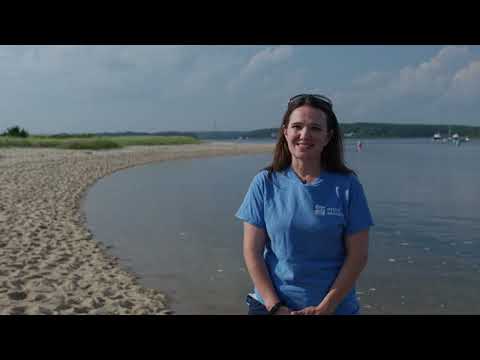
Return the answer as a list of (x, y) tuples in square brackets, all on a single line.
[(52, 89)]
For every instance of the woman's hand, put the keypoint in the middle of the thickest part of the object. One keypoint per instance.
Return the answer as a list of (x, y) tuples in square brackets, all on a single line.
[(321, 309), (283, 310)]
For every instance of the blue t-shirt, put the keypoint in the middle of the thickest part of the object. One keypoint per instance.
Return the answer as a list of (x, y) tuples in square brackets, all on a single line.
[(305, 226)]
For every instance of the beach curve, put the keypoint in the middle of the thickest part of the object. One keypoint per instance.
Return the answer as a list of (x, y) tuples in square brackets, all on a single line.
[(50, 263)]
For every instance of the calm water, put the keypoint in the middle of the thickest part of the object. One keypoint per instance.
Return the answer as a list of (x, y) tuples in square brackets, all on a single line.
[(173, 224)]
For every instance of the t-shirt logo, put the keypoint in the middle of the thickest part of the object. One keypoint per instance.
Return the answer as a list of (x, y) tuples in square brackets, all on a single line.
[(330, 211), (320, 210)]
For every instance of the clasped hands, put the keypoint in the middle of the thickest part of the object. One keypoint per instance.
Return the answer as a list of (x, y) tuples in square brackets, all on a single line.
[(321, 309)]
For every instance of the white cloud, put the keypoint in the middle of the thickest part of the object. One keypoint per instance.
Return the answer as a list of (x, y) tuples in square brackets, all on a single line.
[(431, 78), (451, 55), (372, 79), (98, 71), (92, 73), (267, 57), (465, 84), (451, 74), (263, 60)]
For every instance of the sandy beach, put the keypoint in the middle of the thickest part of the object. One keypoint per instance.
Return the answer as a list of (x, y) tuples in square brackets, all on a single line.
[(49, 261)]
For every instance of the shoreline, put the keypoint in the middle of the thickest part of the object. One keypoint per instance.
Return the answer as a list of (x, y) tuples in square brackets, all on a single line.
[(50, 263)]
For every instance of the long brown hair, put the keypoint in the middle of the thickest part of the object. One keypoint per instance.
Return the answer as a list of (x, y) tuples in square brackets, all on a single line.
[(332, 155)]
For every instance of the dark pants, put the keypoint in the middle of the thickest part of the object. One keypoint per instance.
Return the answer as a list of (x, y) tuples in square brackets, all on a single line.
[(255, 307)]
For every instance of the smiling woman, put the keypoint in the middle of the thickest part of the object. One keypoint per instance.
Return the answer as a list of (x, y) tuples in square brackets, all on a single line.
[(306, 219)]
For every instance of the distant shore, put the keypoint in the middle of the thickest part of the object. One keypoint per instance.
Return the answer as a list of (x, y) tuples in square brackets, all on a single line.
[(49, 261)]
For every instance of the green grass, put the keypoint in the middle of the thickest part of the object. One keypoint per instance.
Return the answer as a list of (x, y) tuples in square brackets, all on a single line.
[(152, 140), (94, 143), (90, 144)]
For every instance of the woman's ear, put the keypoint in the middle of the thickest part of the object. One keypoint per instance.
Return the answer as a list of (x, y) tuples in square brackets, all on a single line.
[(284, 130)]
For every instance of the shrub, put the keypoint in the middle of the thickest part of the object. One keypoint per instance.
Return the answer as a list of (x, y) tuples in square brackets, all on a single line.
[(16, 132)]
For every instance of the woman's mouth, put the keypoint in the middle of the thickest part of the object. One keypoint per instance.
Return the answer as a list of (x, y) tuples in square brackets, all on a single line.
[(304, 146)]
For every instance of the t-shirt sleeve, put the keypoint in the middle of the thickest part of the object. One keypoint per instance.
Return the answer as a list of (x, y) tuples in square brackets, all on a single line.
[(251, 209), (359, 216)]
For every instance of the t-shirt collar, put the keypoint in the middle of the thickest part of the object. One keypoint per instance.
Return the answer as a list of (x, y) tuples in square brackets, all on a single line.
[(290, 173)]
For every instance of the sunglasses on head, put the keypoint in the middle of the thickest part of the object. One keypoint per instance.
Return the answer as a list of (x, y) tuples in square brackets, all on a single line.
[(321, 98)]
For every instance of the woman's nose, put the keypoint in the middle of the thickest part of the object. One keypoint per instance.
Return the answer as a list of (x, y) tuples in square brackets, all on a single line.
[(305, 133)]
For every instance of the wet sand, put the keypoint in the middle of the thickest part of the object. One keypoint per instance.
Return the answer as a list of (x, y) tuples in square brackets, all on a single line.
[(49, 261)]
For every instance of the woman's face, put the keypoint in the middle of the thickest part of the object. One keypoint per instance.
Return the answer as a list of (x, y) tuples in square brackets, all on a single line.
[(307, 133)]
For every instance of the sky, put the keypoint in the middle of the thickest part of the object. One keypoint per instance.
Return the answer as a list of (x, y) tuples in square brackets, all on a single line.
[(49, 89)]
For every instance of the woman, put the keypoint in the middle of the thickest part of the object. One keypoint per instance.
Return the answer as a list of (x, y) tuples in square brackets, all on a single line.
[(306, 219)]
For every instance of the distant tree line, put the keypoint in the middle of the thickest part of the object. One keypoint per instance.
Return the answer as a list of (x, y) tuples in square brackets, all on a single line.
[(369, 130), (366, 130), (350, 130), (67, 136)]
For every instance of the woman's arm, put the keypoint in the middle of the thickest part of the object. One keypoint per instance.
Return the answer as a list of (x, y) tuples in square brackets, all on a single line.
[(356, 260), (254, 239)]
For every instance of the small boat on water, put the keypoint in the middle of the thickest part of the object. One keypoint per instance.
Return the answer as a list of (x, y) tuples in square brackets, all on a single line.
[(455, 138)]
